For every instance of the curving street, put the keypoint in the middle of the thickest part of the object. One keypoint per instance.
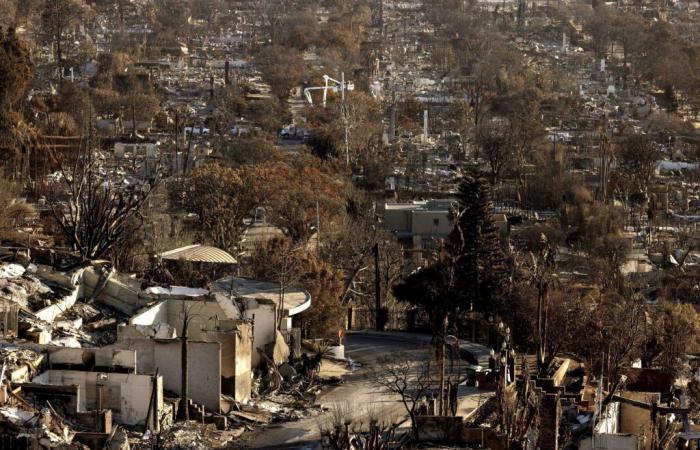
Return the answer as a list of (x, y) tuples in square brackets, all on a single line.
[(356, 393)]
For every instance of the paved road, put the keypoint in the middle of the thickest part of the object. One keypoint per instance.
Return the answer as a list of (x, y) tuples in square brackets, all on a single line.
[(357, 395)]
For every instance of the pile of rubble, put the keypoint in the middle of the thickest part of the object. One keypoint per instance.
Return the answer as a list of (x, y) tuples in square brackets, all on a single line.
[(89, 346), (90, 324), (24, 426), (19, 364), (189, 435), (276, 409), (43, 305), (22, 286), (42, 427)]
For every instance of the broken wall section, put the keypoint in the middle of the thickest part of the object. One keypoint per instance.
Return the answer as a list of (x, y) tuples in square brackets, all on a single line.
[(159, 324), (236, 348), (105, 358), (127, 395), (204, 314), (9, 319), (165, 356), (112, 290)]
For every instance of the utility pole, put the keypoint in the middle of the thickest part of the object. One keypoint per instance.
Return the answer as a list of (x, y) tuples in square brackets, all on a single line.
[(318, 231), (345, 117), (377, 290), (189, 148), (442, 407), (392, 117), (133, 118), (604, 168), (521, 13)]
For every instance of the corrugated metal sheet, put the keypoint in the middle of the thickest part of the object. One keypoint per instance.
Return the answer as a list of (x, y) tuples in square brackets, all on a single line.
[(199, 253)]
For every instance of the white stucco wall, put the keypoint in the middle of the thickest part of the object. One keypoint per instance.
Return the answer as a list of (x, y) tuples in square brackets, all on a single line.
[(264, 326), (204, 369), (204, 315), (204, 364), (155, 314)]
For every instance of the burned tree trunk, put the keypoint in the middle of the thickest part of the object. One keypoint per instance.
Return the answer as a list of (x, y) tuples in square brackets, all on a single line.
[(97, 214), (184, 412), (187, 316)]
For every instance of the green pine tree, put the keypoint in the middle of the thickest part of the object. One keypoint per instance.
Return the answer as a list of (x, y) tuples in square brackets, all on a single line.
[(475, 247), (471, 271)]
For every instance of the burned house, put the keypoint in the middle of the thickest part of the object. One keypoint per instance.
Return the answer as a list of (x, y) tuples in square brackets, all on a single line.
[(72, 351)]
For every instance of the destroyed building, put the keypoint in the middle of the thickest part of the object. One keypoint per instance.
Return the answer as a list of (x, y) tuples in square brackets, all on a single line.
[(90, 340)]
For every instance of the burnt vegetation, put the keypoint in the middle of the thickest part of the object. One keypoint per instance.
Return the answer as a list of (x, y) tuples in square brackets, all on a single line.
[(517, 177)]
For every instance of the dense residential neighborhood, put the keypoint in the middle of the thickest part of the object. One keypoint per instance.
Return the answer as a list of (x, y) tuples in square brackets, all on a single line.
[(359, 224)]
